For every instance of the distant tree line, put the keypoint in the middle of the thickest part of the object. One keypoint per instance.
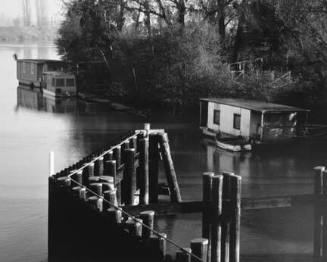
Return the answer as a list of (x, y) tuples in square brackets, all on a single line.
[(171, 52)]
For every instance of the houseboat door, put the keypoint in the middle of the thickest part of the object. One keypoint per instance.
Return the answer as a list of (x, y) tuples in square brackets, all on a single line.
[(203, 113)]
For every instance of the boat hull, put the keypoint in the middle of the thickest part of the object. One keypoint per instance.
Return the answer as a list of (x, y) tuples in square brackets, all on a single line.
[(234, 144)]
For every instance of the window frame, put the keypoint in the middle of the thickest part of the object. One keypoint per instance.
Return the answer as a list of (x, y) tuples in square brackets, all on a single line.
[(237, 124), (215, 112)]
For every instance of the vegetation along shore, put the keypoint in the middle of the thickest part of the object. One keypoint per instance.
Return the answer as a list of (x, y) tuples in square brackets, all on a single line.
[(171, 52)]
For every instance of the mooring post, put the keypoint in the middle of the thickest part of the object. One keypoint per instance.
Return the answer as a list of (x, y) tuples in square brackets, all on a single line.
[(117, 156), (199, 247), (129, 176), (206, 198), (183, 255), (51, 163), (159, 245), (154, 157), (108, 156), (225, 222), (96, 203), (111, 196), (97, 188), (148, 220), (144, 170), (114, 215), (216, 212), (78, 178), (318, 243), (83, 194), (235, 225), (111, 168), (134, 227), (169, 168), (98, 167), (90, 170), (133, 143)]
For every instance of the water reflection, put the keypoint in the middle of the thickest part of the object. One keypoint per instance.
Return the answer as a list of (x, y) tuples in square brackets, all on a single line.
[(34, 99)]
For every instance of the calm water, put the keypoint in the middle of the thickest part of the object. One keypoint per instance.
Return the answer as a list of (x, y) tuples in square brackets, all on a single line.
[(31, 126)]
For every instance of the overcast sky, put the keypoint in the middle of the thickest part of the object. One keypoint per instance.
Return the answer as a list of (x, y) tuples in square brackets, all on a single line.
[(12, 8)]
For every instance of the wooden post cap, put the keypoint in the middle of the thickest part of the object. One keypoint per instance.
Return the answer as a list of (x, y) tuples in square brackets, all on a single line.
[(183, 255), (114, 215), (199, 248)]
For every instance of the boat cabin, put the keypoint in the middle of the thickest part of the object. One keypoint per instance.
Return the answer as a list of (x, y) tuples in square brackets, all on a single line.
[(252, 120), (59, 84), (30, 71)]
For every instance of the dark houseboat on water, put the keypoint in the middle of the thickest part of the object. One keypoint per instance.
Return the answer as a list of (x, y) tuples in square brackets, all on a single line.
[(52, 76), (238, 124)]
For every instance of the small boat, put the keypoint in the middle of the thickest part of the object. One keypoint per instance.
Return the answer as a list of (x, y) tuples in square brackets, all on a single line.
[(239, 124), (235, 144)]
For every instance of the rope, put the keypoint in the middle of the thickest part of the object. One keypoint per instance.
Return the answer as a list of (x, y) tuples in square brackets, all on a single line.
[(156, 233)]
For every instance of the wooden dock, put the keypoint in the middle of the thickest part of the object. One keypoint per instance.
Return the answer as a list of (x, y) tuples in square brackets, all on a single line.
[(103, 208)]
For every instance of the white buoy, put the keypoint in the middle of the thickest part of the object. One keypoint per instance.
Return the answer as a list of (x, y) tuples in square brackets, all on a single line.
[(51, 163)]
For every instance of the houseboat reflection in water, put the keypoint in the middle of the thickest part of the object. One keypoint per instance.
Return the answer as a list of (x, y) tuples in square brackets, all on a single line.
[(34, 99)]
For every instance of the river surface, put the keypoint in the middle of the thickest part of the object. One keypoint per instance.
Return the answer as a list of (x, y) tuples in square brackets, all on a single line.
[(31, 126)]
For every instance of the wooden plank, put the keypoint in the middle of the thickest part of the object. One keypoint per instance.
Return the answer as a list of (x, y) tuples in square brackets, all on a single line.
[(169, 168)]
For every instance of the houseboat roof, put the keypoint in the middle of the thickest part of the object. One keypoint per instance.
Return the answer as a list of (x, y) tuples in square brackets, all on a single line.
[(254, 105), (40, 61)]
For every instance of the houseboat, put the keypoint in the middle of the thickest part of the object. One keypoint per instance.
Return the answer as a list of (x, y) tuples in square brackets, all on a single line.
[(51, 76), (58, 84), (238, 124)]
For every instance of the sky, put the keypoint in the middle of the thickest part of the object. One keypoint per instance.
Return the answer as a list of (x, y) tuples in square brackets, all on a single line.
[(12, 8)]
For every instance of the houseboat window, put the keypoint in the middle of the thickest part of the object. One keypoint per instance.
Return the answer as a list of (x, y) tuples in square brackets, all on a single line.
[(53, 82), (70, 82), (24, 67), (32, 69), (60, 82), (216, 117), (237, 121)]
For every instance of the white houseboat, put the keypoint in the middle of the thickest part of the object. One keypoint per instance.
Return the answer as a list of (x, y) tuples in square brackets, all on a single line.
[(50, 75), (237, 124)]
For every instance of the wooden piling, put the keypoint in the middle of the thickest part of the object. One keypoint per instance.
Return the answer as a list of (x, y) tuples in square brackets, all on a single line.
[(65, 180), (117, 156), (235, 225), (107, 157), (111, 196), (129, 176), (199, 247), (183, 255), (144, 170), (225, 223), (98, 167), (159, 245), (169, 168), (90, 170), (78, 178), (206, 197), (97, 188), (133, 143), (318, 214), (148, 220), (114, 215), (216, 211), (83, 194), (111, 168), (154, 157), (96, 203), (134, 227)]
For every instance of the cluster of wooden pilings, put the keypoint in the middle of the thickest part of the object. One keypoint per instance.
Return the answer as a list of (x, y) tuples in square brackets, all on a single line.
[(118, 187)]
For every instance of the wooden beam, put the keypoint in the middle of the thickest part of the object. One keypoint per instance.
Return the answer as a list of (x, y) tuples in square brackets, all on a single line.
[(197, 206)]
